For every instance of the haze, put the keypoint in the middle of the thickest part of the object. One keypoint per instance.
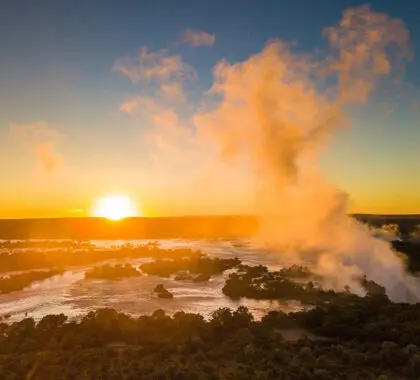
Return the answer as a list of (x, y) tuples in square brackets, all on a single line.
[(98, 100)]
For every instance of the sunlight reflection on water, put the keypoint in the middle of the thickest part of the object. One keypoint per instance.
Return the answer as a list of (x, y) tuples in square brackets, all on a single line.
[(72, 295)]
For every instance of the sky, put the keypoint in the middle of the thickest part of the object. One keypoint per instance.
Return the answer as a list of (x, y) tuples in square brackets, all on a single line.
[(79, 117)]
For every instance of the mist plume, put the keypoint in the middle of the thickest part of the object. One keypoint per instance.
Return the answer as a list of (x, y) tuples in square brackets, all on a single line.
[(41, 140), (277, 111)]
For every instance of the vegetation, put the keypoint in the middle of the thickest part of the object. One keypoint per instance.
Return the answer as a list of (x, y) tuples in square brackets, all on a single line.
[(113, 272), (363, 338), (259, 283), (45, 244), (197, 263), (343, 337), (37, 259), (296, 271), (371, 287), (23, 280), (162, 292), (364, 319), (411, 250)]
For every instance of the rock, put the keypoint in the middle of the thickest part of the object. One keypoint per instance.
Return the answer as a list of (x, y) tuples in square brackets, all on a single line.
[(183, 277), (162, 292), (166, 294), (159, 288), (202, 278)]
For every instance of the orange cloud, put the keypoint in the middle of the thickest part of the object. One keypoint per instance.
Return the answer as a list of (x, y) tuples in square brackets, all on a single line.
[(45, 151), (362, 42), (273, 115), (41, 140), (196, 38), (137, 104), (168, 132), (157, 66), (129, 106), (173, 91)]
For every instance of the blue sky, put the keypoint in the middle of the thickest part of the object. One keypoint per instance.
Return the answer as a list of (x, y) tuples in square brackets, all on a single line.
[(56, 66)]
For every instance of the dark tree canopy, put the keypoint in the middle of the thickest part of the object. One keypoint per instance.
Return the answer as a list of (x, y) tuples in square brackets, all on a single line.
[(366, 338)]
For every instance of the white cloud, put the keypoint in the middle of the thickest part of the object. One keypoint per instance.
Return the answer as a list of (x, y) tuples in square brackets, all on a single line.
[(198, 38)]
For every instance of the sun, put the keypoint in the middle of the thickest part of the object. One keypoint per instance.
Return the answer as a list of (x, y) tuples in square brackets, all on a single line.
[(115, 207)]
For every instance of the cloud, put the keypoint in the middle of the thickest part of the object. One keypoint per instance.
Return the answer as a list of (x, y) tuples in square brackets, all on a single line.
[(139, 105), (363, 41), (386, 109), (45, 151), (168, 132), (197, 38), (415, 107), (269, 115), (173, 92), (274, 115), (129, 106), (41, 140), (154, 66)]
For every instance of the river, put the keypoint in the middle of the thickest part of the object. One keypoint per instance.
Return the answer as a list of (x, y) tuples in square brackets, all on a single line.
[(74, 296)]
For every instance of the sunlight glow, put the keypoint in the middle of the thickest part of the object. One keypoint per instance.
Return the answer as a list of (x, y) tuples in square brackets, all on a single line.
[(115, 207)]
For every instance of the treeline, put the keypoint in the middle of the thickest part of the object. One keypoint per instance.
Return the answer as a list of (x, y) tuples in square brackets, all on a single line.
[(196, 263), (198, 267), (21, 281), (412, 251), (372, 319), (129, 228), (36, 259), (258, 282), (296, 271), (45, 244), (112, 272), (366, 338)]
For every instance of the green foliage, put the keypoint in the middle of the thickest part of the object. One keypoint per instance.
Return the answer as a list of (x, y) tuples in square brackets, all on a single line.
[(43, 244), (296, 271), (412, 252), (371, 287), (83, 254), (197, 263), (112, 272), (22, 280), (106, 344), (259, 283), (278, 319), (368, 319)]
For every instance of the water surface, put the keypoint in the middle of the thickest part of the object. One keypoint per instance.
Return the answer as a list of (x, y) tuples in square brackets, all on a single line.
[(72, 295)]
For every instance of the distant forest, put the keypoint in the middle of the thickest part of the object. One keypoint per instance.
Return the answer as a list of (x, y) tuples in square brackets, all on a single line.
[(160, 228)]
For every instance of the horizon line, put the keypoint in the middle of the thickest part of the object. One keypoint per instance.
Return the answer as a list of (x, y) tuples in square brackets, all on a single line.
[(190, 216)]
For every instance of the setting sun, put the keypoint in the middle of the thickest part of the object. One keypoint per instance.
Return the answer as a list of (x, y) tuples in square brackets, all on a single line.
[(115, 207)]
